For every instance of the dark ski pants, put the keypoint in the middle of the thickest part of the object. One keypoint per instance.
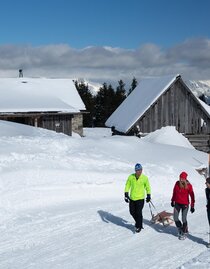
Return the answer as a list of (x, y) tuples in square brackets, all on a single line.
[(184, 210), (135, 208), (208, 214)]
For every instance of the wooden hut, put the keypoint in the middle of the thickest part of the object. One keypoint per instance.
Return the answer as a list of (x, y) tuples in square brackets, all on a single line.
[(52, 104), (158, 102)]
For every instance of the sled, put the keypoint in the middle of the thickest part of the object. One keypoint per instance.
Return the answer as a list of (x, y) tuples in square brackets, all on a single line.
[(163, 217)]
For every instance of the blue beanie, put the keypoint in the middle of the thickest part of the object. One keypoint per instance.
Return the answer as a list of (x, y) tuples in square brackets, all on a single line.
[(138, 167)]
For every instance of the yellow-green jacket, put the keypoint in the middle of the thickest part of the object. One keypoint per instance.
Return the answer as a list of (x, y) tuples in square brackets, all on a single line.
[(137, 187)]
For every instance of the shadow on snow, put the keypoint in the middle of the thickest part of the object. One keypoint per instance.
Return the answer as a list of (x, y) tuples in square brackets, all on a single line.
[(110, 218), (171, 230)]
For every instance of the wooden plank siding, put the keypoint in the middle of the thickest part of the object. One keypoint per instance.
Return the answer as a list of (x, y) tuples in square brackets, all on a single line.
[(200, 142), (61, 123), (58, 123), (177, 106)]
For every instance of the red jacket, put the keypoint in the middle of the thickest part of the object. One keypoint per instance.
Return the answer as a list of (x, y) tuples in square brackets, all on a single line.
[(181, 195)]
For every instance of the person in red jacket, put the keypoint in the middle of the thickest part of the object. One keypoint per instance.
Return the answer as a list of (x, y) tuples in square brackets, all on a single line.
[(180, 201)]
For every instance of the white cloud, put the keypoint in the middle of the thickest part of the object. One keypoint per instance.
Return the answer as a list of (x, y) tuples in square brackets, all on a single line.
[(106, 64)]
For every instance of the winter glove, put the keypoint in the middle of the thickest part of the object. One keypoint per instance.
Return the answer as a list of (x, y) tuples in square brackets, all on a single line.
[(192, 209), (148, 198), (172, 204), (127, 199)]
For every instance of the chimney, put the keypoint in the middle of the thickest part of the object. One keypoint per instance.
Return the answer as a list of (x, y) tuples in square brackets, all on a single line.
[(20, 73)]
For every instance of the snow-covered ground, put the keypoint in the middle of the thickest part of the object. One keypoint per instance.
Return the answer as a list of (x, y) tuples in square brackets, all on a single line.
[(62, 206)]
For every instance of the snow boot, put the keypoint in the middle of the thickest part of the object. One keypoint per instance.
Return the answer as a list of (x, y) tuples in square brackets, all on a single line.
[(138, 230), (180, 234)]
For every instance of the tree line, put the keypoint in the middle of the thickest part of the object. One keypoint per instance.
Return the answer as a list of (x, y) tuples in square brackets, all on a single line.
[(101, 105)]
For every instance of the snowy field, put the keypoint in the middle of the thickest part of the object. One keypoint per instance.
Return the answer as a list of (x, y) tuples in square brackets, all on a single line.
[(62, 200)]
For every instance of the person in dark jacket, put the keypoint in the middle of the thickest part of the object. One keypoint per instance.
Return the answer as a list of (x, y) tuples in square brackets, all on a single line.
[(180, 201), (208, 197)]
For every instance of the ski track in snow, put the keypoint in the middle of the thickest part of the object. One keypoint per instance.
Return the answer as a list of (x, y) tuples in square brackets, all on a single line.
[(49, 239)]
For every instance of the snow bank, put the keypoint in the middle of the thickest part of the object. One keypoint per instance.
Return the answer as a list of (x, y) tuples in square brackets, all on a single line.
[(168, 135)]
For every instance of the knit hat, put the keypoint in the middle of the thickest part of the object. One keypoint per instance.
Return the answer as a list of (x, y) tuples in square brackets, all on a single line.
[(183, 175), (138, 166)]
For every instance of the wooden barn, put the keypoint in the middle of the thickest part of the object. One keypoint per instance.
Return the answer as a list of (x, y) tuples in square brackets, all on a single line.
[(52, 104), (158, 102)]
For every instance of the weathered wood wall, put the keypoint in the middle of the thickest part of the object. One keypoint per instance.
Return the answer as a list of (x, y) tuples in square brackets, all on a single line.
[(58, 123), (176, 107), (61, 123), (200, 142)]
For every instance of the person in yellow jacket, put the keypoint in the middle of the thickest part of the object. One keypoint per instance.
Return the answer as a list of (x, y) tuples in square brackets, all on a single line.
[(136, 186)]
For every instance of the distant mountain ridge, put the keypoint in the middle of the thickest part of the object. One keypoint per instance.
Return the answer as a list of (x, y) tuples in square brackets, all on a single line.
[(92, 86), (199, 87)]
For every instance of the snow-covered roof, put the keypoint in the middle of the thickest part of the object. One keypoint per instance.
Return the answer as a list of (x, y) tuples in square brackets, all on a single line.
[(147, 91), (39, 94)]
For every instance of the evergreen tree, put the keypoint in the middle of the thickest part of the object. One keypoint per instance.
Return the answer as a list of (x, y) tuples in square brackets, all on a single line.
[(100, 106), (103, 104), (120, 93), (88, 100), (110, 104), (133, 85)]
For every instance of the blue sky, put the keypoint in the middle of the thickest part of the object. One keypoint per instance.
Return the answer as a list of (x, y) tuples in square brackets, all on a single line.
[(115, 23), (105, 39)]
